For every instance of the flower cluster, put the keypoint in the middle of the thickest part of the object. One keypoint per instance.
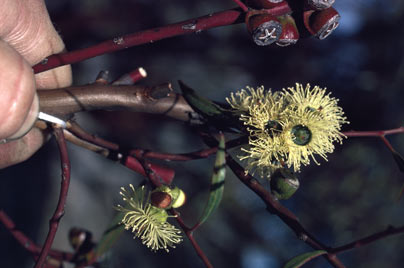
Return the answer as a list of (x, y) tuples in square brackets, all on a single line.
[(287, 128), (149, 223)]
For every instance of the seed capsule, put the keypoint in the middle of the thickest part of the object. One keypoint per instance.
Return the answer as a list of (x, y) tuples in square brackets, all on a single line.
[(320, 4), (284, 183), (321, 23), (264, 28), (265, 4), (290, 34)]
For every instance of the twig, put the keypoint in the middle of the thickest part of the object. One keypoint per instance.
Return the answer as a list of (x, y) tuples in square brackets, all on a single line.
[(241, 5), (27, 243), (65, 102), (369, 239), (80, 137), (218, 19), (189, 233), (282, 212), (377, 133), (54, 221), (185, 156)]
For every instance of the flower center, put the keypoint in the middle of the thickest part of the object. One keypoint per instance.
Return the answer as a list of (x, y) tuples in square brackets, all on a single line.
[(273, 127), (302, 135)]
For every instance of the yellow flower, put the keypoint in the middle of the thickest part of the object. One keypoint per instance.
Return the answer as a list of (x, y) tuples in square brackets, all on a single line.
[(261, 111), (287, 128), (149, 223), (312, 124)]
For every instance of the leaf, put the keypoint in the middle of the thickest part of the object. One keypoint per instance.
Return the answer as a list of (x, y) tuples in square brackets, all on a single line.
[(217, 182), (110, 235), (202, 105), (299, 260), (399, 160), (212, 112)]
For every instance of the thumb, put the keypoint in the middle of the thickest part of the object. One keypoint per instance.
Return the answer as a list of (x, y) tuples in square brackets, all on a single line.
[(18, 101)]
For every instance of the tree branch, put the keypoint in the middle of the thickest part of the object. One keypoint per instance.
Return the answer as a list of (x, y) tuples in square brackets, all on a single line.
[(64, 102), (27, 243), (282, 212), (54, 221)]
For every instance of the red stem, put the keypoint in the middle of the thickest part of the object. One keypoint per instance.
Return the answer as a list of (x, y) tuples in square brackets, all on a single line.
[(218, 19), (241, 5), (27, 243), (282, 212), (223, 18), (189, 233), (369, 239), (54, 221), (377, 133)]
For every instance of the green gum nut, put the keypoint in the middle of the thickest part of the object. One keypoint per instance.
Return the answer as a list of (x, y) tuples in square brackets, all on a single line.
[(159, 214), (284, 183), (178, 197)]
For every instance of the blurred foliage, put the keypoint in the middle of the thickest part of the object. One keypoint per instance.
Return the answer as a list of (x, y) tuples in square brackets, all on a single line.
[(352, 195)]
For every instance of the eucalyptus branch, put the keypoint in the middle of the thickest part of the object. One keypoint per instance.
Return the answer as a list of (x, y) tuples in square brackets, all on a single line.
[(275, 207), (223, 18), (369, 239), (377, 133), (54, 221), (64, 102), (189, 233), (27, 243)]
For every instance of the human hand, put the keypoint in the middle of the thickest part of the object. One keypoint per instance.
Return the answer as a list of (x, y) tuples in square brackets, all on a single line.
[(26, 37)]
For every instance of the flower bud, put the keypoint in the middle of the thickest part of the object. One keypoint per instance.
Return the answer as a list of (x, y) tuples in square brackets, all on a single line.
[(321, 23), (284, 183), (160, 199), (264, 28), (78, 237), (320, 4), (164, 197), (290, 34)]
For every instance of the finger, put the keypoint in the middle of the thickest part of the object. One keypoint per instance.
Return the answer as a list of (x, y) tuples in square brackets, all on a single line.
[(26, 26), (18, 110)]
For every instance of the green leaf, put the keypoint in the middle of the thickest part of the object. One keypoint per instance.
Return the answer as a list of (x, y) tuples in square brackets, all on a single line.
[(202, 105), (399, 160), (213, 113), (299, 260), (217, 182), (110, 235)]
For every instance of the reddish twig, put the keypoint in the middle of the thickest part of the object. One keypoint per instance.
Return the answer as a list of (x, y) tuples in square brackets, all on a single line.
[(223, 18), (241, 5), (113, 151), (141, 153), (282, 212), (377, 133), (189, 233), (54, 221), (130, 78), (27, 243), (369, 239)]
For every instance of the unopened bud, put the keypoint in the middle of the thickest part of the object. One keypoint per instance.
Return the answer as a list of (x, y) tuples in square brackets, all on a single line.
[(284, 183), (160, 199)]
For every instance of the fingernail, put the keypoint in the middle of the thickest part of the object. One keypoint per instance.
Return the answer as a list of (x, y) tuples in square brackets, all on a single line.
[(29, 120)]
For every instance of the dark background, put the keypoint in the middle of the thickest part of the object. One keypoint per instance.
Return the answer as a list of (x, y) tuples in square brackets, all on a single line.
[(352, 195)]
